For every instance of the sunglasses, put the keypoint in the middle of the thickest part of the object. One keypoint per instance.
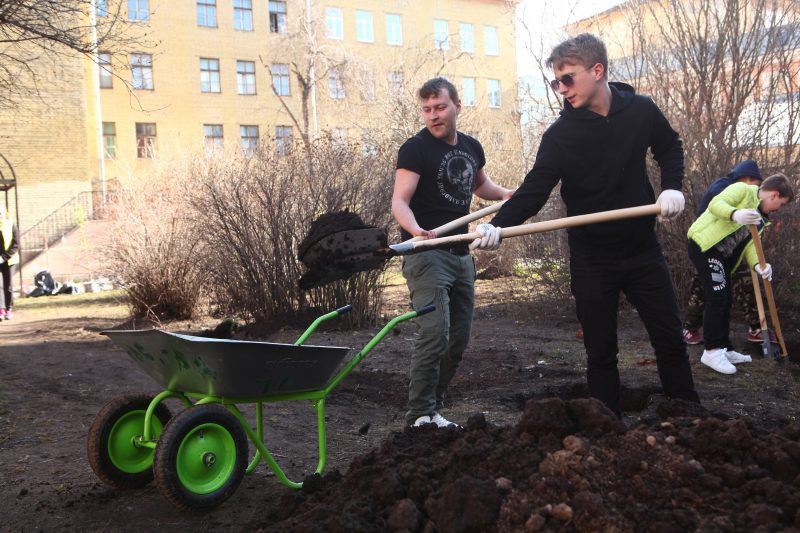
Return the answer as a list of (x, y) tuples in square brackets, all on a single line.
[(567, 79)]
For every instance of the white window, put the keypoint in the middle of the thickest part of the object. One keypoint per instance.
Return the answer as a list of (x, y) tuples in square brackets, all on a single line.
[(493, 90), (101, 8), (145, 140), (249, 143), (490, 42), (209, 75), (395, 83), (283, 139), (104, 62), (335, 84), (334, 23), (468, 91), (280, 79), (213, 135), (139, 10), (467, 37), (246, 77), (394, 30), (142, 71), (367, 87), (364, 31), (109, 140), (207, 13), (339, 136), (440, 34), (277, 16), (243, 15)]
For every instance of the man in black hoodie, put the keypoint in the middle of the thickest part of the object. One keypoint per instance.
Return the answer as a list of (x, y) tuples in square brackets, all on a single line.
[(597, 149)]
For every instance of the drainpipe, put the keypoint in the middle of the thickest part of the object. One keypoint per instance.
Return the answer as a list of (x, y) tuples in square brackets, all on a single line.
[(312, 75), (101, 160)]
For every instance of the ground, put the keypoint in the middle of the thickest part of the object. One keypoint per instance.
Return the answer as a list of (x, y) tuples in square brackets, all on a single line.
[(534, 454)]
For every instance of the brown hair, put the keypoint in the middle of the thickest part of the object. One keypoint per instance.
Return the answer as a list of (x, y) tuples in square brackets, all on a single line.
[(584, 49), (779, 183), (433, 86)]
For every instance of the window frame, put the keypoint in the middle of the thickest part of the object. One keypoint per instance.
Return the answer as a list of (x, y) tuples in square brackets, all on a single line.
[(462, 41), (277, 18), (465, 93), (489, 94), (240, 10), (491, 41), (144, 67), (209, 73), (365, 24), (145, 142), (141, 8), (281, 81), (336, 89), (245, 78), (207, 6), (394, 30), (438, 42), (213, 136), (110, 141), (104, 66), (283, 141), (334, 23), (246, 142)]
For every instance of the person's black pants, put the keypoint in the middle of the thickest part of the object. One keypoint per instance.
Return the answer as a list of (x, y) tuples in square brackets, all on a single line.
[(7, 285), (596, 283), (715, 271)]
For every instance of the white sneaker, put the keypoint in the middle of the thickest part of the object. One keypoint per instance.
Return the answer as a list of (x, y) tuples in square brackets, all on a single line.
[(442, 422), (716, 359), (421, 421), (736, 357)]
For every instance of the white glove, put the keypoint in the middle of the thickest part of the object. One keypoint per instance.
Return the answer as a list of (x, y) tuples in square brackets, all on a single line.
[(490, 239), (671, 203), (766, 272), (746, 216)]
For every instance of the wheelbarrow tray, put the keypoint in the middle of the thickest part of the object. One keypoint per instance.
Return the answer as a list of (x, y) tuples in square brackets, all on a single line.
[(228, 368)]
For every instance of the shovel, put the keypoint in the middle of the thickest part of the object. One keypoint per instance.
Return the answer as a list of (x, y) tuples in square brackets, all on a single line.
[(346, 265), (773, 310), (766, 346)]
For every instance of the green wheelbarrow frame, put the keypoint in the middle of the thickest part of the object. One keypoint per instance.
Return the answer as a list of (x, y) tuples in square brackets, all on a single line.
[(146, 439)]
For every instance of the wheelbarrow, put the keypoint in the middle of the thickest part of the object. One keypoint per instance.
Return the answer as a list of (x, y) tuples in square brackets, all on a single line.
[(200, 456)]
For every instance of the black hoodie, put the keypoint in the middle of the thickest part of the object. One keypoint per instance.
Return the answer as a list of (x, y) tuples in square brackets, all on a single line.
[(600, 162)]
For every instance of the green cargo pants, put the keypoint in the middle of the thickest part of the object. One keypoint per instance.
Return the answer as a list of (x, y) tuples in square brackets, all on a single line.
[(448, 281)]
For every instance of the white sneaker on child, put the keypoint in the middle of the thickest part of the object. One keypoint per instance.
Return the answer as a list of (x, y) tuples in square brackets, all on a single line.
[(736, 357), (716, 359)]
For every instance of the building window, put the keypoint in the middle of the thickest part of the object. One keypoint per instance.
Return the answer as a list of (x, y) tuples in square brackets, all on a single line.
[(109, 140), (364, 31), (139, 10), (468, 91), (394, 30), (209, 75), (246, 77), (280, 79), (101, 8), (213, 136), (142, 71), (369, 146), (249, 135), (440, 33), (243, 15), (104, 62), (367, 87), (339, 137), (277, 16), (334, 23), (145, 140), (493, 90), (283, 140), (207, 13), (490, 42), (335, 84), (466, 37), (395, 83)]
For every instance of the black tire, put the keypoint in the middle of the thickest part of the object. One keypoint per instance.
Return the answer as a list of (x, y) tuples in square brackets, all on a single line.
[(201, 457), (106, 446)]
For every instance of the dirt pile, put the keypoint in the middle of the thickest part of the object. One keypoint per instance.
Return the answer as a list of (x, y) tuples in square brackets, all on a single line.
[(567, 466)]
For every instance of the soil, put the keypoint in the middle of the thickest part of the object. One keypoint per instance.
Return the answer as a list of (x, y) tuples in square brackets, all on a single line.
[(535, 453)]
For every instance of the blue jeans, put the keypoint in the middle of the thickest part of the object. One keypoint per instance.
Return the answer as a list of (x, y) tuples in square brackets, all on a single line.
[(448, 281)]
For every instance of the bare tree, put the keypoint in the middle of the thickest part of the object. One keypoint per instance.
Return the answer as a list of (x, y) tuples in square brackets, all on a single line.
[(34, 31)]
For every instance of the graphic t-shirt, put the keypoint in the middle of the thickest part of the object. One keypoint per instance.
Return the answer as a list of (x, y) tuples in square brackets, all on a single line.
[(447, 177)]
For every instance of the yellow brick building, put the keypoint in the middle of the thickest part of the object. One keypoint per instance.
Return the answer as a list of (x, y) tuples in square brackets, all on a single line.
[(207, 73)]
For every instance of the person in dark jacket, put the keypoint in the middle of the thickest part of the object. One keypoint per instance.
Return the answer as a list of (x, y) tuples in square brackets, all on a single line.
[(742, 289), (597, 149)]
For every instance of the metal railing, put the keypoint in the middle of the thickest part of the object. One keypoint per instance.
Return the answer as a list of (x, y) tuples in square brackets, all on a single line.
[(85, 206)]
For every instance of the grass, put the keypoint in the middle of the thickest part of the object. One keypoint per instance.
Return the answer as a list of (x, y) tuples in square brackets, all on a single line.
[(107, 304)]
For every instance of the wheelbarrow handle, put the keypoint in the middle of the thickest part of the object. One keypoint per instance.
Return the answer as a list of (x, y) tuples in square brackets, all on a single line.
[(344, 310), (425, 310)]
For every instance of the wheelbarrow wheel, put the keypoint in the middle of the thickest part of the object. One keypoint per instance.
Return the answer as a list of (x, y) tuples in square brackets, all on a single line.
[(113, 453), (201, 457)]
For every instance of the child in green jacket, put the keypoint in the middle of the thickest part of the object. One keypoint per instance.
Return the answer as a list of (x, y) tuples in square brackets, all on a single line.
[(718, 241)]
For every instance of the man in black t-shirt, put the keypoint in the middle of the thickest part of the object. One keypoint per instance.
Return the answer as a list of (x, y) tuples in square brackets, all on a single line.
[(438, 170)]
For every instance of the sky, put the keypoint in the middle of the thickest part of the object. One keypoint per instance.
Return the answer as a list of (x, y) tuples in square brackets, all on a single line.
[(540, 22)]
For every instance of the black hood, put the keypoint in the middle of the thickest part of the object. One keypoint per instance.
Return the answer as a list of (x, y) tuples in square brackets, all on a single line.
[(621, 97)]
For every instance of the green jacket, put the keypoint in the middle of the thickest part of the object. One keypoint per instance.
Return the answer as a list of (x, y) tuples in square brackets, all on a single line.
[(715, 223)]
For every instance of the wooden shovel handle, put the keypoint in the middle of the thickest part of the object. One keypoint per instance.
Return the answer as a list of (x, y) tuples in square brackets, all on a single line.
[(466, 219), (773, 310), (547, 225)]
